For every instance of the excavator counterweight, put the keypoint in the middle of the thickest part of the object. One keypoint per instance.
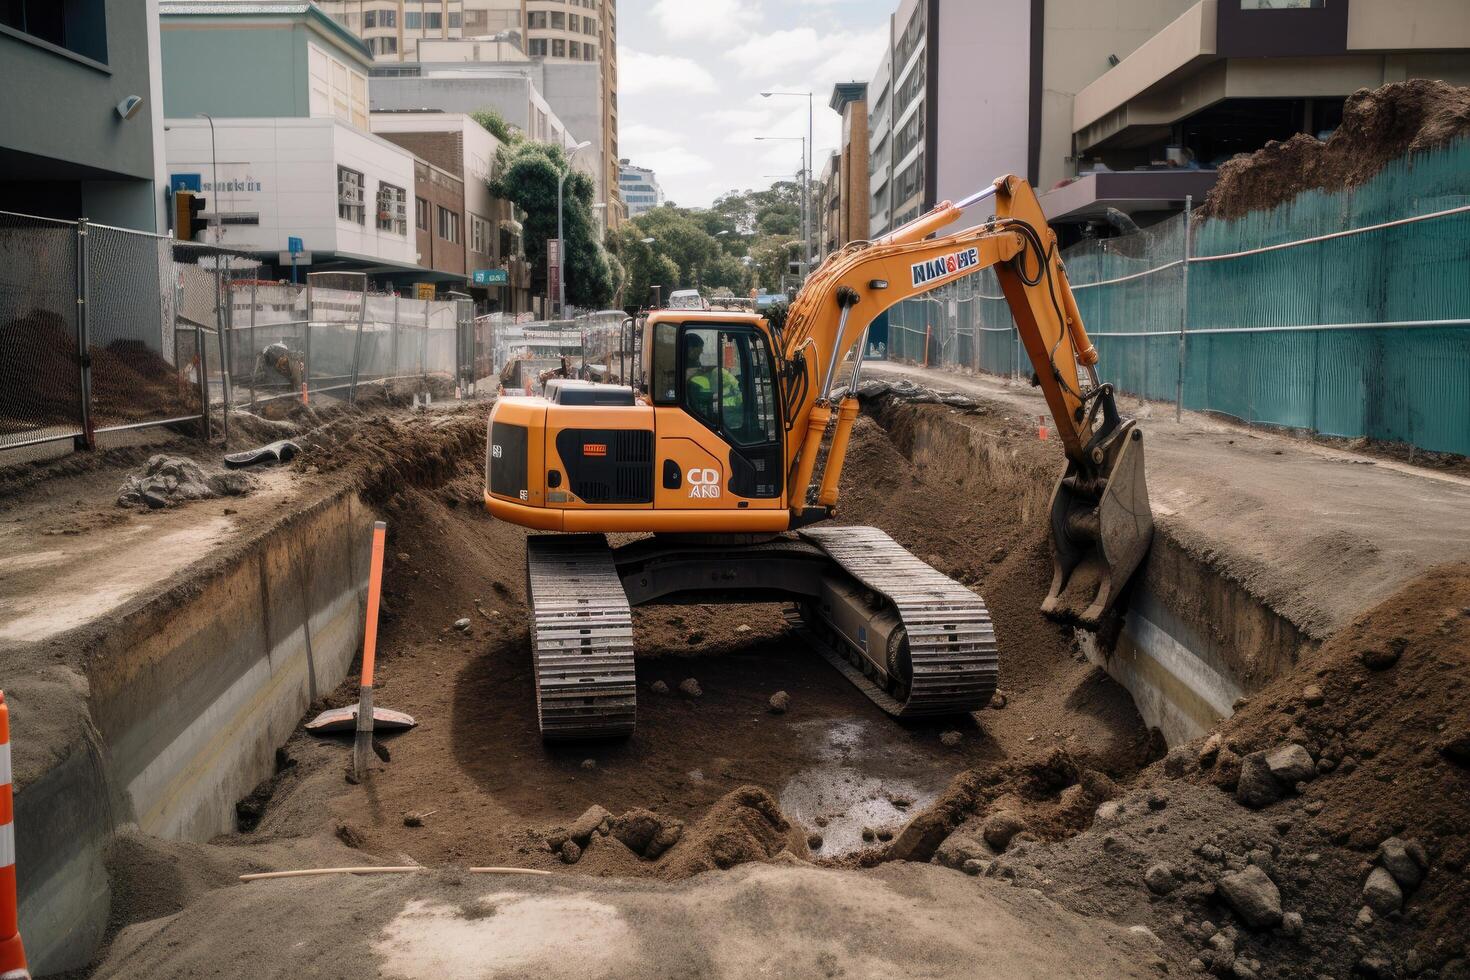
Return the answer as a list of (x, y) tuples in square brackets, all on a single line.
[(714, 448)]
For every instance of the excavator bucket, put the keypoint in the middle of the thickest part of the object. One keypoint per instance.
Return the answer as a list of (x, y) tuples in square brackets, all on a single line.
[(1101, 527)]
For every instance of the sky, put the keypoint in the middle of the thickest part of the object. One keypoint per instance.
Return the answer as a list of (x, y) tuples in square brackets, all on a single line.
[(690, 74)]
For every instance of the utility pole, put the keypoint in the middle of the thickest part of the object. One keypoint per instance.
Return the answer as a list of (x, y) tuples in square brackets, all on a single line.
[(808, 221)]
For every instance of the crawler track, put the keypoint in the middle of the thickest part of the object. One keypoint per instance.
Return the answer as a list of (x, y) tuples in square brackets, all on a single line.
[(582, 638), (950, 637)]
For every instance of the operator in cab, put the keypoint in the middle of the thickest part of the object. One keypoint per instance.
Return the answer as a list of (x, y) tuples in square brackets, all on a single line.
[(701, 381)]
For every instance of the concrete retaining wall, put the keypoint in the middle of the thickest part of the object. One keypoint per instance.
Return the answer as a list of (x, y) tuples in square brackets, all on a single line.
[(189, 697), (1193, 640)]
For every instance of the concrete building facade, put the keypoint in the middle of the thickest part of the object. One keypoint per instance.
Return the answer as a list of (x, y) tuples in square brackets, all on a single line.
[(73, 141), (639, 188), (462, 149), (851, 173), (1134, 100)]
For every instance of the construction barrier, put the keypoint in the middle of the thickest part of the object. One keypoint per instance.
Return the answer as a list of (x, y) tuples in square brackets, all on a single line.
[(12, 953)]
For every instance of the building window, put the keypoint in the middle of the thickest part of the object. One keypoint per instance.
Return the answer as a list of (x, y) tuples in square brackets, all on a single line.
[(370, 19), (350, 204), (448, 225), (79, 26), (558, 48), (480, 235), (456, 19), (538, 47), (536, 20), (413, 20), (558, 20), (433, 20), (383, 45), (576, 50), (421, 213), (574, 23), (392, 209), (387, 18)]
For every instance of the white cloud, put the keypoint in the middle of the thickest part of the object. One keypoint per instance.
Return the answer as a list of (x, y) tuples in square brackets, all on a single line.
[(688, 20), (674, 161), (639, 73)]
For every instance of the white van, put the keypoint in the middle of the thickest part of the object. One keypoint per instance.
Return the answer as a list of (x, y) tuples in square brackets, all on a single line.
[(687, 299)]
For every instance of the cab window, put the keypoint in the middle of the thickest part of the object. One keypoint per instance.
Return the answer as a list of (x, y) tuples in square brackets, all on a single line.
[(729, 384)]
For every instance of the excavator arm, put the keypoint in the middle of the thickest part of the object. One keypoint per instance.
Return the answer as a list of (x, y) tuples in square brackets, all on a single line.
[(1101, 523)]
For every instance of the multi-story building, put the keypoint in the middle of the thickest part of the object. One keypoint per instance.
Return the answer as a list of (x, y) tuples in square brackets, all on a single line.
[(81, 120), (570, 39), (1125, 104), (460, 149), (827, 192), (558, 103), (569, 30), (850, 175), (286, 150), (639, 188)]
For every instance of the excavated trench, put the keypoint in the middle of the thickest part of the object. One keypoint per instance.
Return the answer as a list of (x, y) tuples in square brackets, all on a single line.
[(1015, 790)]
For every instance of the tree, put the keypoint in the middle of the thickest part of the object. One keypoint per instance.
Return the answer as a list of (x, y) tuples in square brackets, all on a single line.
[(527, 175), (495, 123)]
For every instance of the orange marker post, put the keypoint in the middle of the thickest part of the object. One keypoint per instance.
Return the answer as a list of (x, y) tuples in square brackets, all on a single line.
[(12, 953), (1042, 432), (363, 739), (305, 398)]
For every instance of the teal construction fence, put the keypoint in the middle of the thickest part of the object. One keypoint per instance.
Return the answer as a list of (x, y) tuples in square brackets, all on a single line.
[(1346, 313)]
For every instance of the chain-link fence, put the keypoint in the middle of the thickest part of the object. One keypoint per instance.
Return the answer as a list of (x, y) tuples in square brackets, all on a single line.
[(1346, 313), (107, 329)]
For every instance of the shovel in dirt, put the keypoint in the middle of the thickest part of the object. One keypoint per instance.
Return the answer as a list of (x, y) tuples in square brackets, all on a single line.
[(363, 718)]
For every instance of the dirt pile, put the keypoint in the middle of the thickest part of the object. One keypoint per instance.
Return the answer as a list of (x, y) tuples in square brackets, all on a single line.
[(167, 481), (389, 452), (1378, 126), (1320, 831), (745, 825)]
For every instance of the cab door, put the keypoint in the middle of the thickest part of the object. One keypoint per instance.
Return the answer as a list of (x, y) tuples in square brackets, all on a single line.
[(717, 420)]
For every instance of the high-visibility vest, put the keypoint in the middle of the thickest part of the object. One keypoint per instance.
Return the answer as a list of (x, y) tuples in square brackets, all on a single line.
[(702, 386)]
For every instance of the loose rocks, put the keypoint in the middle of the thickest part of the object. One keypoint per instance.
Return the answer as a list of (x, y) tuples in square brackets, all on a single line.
[(659, 687), (1000, 827), (1405, 860), (1253, 896), (689, 687), (170, 480), (950, 739), (570, 852), (780, 701), (1382, 893), (1160, 879), (593, 819)]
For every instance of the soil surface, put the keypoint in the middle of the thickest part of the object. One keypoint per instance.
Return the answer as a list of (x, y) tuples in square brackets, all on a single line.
[(1220, 864), (1378, 126)]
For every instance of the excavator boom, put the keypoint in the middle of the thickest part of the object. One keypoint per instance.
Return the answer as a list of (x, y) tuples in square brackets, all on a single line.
[(1100, 516)]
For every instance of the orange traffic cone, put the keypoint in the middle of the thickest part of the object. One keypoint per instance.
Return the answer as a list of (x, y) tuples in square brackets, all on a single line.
[(12, 953)]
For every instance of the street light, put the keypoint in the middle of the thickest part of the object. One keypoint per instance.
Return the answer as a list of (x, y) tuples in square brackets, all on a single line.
[(214, 173), (807, 158), (806, 196), (561, 244)]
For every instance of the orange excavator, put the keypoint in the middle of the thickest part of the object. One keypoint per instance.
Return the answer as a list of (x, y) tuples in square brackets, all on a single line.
[(714, 449)]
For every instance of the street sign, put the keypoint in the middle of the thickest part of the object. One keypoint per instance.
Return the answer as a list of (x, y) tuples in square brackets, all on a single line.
[(293, 244), (186, 182), (299, 258), (423, 290), (491, 277)]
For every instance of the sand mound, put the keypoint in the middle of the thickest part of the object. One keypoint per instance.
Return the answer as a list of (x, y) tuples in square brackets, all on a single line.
[(745, 825), (1378, 126)]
